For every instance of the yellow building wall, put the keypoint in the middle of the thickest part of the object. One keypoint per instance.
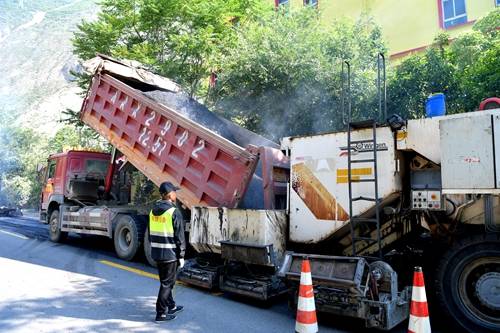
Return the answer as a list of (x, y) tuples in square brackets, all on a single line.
[(407, 25)]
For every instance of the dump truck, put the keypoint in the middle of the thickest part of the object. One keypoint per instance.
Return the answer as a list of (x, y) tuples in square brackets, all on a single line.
[(157, 129), (363, 205)]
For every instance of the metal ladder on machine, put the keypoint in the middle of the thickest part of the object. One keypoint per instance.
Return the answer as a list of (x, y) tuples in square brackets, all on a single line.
[(356, 222)]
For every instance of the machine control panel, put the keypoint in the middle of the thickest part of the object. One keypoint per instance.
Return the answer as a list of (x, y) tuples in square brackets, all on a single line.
[(427, 200)]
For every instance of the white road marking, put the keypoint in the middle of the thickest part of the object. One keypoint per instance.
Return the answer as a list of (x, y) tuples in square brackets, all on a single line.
[(14, 234)]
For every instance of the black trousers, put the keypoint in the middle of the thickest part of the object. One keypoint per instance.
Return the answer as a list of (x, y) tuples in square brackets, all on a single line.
[(166, 271)]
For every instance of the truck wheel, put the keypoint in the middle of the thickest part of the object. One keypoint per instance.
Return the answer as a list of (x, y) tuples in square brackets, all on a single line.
[(147, 249), (468, 283), (126, 237), (55, 233)]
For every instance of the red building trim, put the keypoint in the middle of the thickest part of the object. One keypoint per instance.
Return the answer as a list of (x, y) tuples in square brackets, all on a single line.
[(421, 48), (440, 13), (405, 53), (461, 25)]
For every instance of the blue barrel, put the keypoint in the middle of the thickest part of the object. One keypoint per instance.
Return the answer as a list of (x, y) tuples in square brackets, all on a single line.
[(435, 105)]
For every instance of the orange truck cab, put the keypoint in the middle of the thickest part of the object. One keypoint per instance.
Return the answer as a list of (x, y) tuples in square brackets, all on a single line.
[(81, 195), (72, 175)]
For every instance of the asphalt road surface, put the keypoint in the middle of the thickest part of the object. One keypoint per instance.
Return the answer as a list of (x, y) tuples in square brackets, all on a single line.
[(80, 286)]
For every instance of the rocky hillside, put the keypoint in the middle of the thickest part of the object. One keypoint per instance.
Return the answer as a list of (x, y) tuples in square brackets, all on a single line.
[(35, 60)]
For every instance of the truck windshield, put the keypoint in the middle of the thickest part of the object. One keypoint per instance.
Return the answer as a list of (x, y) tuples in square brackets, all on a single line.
[(96, 167)]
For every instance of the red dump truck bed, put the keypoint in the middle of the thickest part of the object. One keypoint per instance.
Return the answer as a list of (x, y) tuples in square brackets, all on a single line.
[(165, 145)]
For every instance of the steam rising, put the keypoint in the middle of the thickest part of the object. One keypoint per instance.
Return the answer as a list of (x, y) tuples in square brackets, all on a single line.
[(190, 108)]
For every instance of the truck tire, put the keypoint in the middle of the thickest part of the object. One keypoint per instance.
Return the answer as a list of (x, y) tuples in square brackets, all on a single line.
[(468, 283), (147, 249), (55, 233), (127, 237)]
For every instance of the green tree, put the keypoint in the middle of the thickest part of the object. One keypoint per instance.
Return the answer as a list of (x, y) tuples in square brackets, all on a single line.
[(477, 57), (418, 76), (489, 24), (18, 191), (283, 75), (25, 149), (484, 77), (75, 137), (177, 39), (465, 70)]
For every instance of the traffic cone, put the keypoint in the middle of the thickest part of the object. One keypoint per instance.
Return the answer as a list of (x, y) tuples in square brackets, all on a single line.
[(306, 310), (419, 312)]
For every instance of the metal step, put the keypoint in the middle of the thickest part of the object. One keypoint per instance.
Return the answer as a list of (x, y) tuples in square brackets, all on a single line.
[(364, 220), (368, 239), (362, 198), (363, 161), (368, 180), (355, 222), (363, 123), (361, 141)]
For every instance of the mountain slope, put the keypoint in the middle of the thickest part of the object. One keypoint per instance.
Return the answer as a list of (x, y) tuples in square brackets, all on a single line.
[(36, 58)]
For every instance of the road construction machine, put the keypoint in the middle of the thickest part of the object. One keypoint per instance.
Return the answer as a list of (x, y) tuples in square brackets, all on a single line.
[(364, 204)]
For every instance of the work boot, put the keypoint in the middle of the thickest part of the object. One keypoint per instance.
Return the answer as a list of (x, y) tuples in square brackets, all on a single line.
[(164, 317), (176, 309)]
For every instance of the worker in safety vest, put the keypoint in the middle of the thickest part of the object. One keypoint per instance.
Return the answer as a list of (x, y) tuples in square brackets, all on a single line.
[(166, 235)]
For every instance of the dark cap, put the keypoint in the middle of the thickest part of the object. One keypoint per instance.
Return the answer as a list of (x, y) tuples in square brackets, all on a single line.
[(167, 187)]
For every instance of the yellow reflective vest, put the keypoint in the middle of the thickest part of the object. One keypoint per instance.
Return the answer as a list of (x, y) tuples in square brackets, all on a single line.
[(161, 235)]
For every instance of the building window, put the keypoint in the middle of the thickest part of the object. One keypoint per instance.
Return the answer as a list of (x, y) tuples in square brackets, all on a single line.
[(278, 3), (312, 3), (497, 2), (453, 13)]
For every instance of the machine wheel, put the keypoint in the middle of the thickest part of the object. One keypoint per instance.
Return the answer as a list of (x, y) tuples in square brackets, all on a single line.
[(55, 233), (126, 237), (468, 283), (147, 249)]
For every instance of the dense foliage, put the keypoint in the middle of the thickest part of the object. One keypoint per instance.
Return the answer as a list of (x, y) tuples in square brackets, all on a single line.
[(178, 39), (272, 66), (24, 152), (466, 70), (284, 75)]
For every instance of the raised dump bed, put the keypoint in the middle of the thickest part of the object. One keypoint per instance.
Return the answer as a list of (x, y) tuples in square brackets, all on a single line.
[(169, 136)]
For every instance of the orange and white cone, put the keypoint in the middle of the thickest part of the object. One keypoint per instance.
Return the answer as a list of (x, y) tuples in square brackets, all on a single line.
[(306, 310), (419, 312)]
